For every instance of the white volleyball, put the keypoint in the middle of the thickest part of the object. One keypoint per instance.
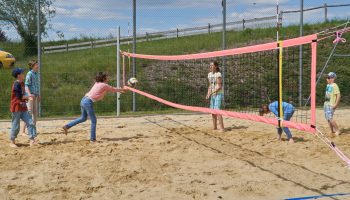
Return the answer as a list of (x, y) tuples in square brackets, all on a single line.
[(132, 82)]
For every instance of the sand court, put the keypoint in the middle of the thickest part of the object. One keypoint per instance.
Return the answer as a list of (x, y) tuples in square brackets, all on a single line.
[(172, 157)]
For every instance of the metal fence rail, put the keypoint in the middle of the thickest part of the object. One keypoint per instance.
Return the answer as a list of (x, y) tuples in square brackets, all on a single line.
[(210, 28), (325, 6)]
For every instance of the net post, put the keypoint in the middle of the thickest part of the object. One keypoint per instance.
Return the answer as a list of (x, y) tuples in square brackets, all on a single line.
[(313, 81), (118, 71), (39, 55), (280, 78), (134, 51), (325, 12), (301, 33), (123, 70), (223, 47)]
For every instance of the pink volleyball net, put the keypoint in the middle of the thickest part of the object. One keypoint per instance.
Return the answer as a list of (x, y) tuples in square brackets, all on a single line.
[(251, 77)]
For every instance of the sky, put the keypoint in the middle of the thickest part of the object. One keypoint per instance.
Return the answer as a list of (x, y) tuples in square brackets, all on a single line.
[(100, 18)]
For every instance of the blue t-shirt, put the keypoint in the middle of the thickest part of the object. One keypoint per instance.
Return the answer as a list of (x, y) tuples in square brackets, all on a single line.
[(286, 107), (32, 82)]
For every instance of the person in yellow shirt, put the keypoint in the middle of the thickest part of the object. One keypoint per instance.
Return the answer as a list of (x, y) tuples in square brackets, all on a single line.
[(332, 99)]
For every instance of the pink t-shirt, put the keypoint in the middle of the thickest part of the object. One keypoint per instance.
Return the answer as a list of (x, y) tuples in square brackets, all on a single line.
[(99, 90)]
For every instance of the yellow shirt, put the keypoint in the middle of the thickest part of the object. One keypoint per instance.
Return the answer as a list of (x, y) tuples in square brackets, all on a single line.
[(331, 91)]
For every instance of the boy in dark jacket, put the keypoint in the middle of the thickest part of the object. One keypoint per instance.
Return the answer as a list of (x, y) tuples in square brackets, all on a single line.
[(19, 109)]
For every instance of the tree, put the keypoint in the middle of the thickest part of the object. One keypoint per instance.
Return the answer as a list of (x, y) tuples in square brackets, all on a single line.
[(3, 37), (22, 15)]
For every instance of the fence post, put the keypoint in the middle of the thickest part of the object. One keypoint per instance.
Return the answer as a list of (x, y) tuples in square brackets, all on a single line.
[(208, 28), (301, 33), (177, 33), (280, 20), (223, 47), (92, 44), (134, 51), (325, 12), (243, 22), (146, 36), (67, 47), (39, 54)]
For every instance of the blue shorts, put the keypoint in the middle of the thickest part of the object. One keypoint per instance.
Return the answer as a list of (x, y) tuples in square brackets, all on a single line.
[(328, 111), (216, 101)]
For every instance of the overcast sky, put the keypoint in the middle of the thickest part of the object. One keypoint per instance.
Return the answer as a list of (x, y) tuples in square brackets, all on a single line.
[(99, 18)]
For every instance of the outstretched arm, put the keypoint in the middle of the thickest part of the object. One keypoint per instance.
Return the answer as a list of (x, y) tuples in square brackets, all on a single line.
[(114, 89)]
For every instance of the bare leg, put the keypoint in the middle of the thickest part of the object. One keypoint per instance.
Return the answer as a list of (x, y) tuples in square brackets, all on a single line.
[(279, 133), (23, 129), (221, 123), (214, 121), (35, 111), (335, 127), (331, 126), (30, 106)]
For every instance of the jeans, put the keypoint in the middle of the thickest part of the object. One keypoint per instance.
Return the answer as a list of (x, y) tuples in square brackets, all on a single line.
[(87, 109), (286, 117), (33, 109), (27, 118)]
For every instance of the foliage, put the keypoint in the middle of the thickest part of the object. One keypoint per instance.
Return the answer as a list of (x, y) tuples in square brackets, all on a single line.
[(3, 37), (22, 15)]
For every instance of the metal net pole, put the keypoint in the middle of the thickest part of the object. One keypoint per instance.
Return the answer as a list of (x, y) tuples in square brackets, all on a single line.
[(118, 70), (39, 52)]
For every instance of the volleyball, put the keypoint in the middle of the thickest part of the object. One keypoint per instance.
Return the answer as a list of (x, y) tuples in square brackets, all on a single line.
[(132, 82)]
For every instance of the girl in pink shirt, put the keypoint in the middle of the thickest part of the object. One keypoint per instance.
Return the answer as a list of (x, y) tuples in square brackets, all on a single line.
[(97, 92)]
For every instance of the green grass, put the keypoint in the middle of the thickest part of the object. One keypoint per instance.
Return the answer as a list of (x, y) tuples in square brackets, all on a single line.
[(67, 76)]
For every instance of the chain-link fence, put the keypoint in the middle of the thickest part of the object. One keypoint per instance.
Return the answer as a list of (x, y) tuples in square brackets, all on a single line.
[(82, 41)]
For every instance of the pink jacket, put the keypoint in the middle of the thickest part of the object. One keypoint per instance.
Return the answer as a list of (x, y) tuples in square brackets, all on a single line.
[(99, 90)]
